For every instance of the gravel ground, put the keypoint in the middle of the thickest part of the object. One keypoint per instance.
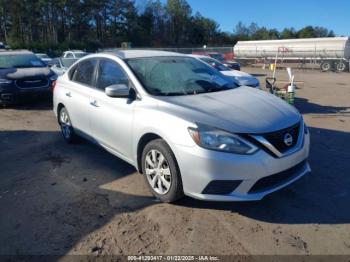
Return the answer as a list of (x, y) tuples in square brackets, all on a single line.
[(59, 199)]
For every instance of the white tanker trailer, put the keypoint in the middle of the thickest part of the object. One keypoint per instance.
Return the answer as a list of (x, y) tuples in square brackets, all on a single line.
[(328, 53)]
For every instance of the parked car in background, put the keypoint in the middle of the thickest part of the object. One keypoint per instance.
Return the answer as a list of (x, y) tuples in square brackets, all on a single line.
[(74, 54), (187, 128), (4, 47), (242, 78), (60, 65), (220, 57), (44, 57), (22, 75)]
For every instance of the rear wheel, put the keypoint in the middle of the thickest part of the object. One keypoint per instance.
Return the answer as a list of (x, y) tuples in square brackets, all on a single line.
[(161, 172), (326, 66), (66, 126), (341, 66)]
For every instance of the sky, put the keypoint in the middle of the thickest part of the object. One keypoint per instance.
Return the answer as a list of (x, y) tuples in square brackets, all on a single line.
[(332, 14)]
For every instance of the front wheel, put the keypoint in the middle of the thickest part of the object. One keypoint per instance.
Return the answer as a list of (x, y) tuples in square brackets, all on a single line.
[(66, 126), (161, 172)]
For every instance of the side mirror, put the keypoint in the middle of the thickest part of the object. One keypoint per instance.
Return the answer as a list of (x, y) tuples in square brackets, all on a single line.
[(120, 90)]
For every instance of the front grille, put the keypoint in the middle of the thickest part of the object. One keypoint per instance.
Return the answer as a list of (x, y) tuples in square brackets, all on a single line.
[(277, 139), (269, 182), (36, 82), (221, 187)]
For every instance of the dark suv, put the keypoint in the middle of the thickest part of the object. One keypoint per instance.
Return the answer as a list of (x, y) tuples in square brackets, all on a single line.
[(23, 74)]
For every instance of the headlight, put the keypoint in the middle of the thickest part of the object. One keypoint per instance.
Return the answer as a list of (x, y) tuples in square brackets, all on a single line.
[(219, 140)]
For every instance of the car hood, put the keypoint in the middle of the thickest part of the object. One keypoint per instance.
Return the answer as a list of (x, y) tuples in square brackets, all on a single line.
[(235, 73), (242, 77), (19, 73), (241, 110)]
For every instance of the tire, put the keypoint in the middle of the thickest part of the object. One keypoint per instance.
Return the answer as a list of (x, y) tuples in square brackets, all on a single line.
[(163, 179), (326, 66), (66, 126), (341, 66)]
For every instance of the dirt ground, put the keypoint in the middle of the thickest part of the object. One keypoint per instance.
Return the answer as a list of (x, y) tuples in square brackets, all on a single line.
[(59, 199)]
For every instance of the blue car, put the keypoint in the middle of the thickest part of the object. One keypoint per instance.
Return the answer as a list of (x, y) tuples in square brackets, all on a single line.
[(23, 75)]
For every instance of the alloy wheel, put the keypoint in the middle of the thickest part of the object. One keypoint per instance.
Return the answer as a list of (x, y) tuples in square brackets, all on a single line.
[(158, 172), (66, 125)]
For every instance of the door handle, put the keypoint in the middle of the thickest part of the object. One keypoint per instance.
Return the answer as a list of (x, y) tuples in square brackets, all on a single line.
[(94, 103), (69, 94)]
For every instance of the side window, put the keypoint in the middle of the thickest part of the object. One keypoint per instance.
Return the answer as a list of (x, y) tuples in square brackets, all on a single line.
[(84, 72), (110, 73), (71, 73), (69, 55)]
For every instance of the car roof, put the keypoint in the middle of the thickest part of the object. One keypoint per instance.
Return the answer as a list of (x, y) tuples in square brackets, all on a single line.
[(128, 54), (200, 56), (74, 51), (16, 52)]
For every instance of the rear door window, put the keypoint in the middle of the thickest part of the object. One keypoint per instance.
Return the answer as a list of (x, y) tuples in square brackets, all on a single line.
[(84, 72)]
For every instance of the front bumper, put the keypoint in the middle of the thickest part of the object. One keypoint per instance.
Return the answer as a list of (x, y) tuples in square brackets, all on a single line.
[(12, 94), (199, 167)]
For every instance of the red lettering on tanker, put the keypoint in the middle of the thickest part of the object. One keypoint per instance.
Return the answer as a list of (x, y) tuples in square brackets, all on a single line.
[(284, 50)]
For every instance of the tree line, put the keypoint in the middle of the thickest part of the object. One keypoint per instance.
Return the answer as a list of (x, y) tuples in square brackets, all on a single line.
[(254, 32), (48, 25)]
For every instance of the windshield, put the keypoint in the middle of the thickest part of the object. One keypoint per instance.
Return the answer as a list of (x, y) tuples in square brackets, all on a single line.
[(42, 56), (216, 64), (219, 57), (20, 61), (80, 55), (166, 76), (67, 62)]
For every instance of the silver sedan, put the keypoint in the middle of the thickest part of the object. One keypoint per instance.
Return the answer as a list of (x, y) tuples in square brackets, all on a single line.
[(183, 125)]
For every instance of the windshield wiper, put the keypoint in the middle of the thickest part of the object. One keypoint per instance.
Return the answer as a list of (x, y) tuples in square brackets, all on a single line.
[(174, 94), (157, 92), (215, 88)]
